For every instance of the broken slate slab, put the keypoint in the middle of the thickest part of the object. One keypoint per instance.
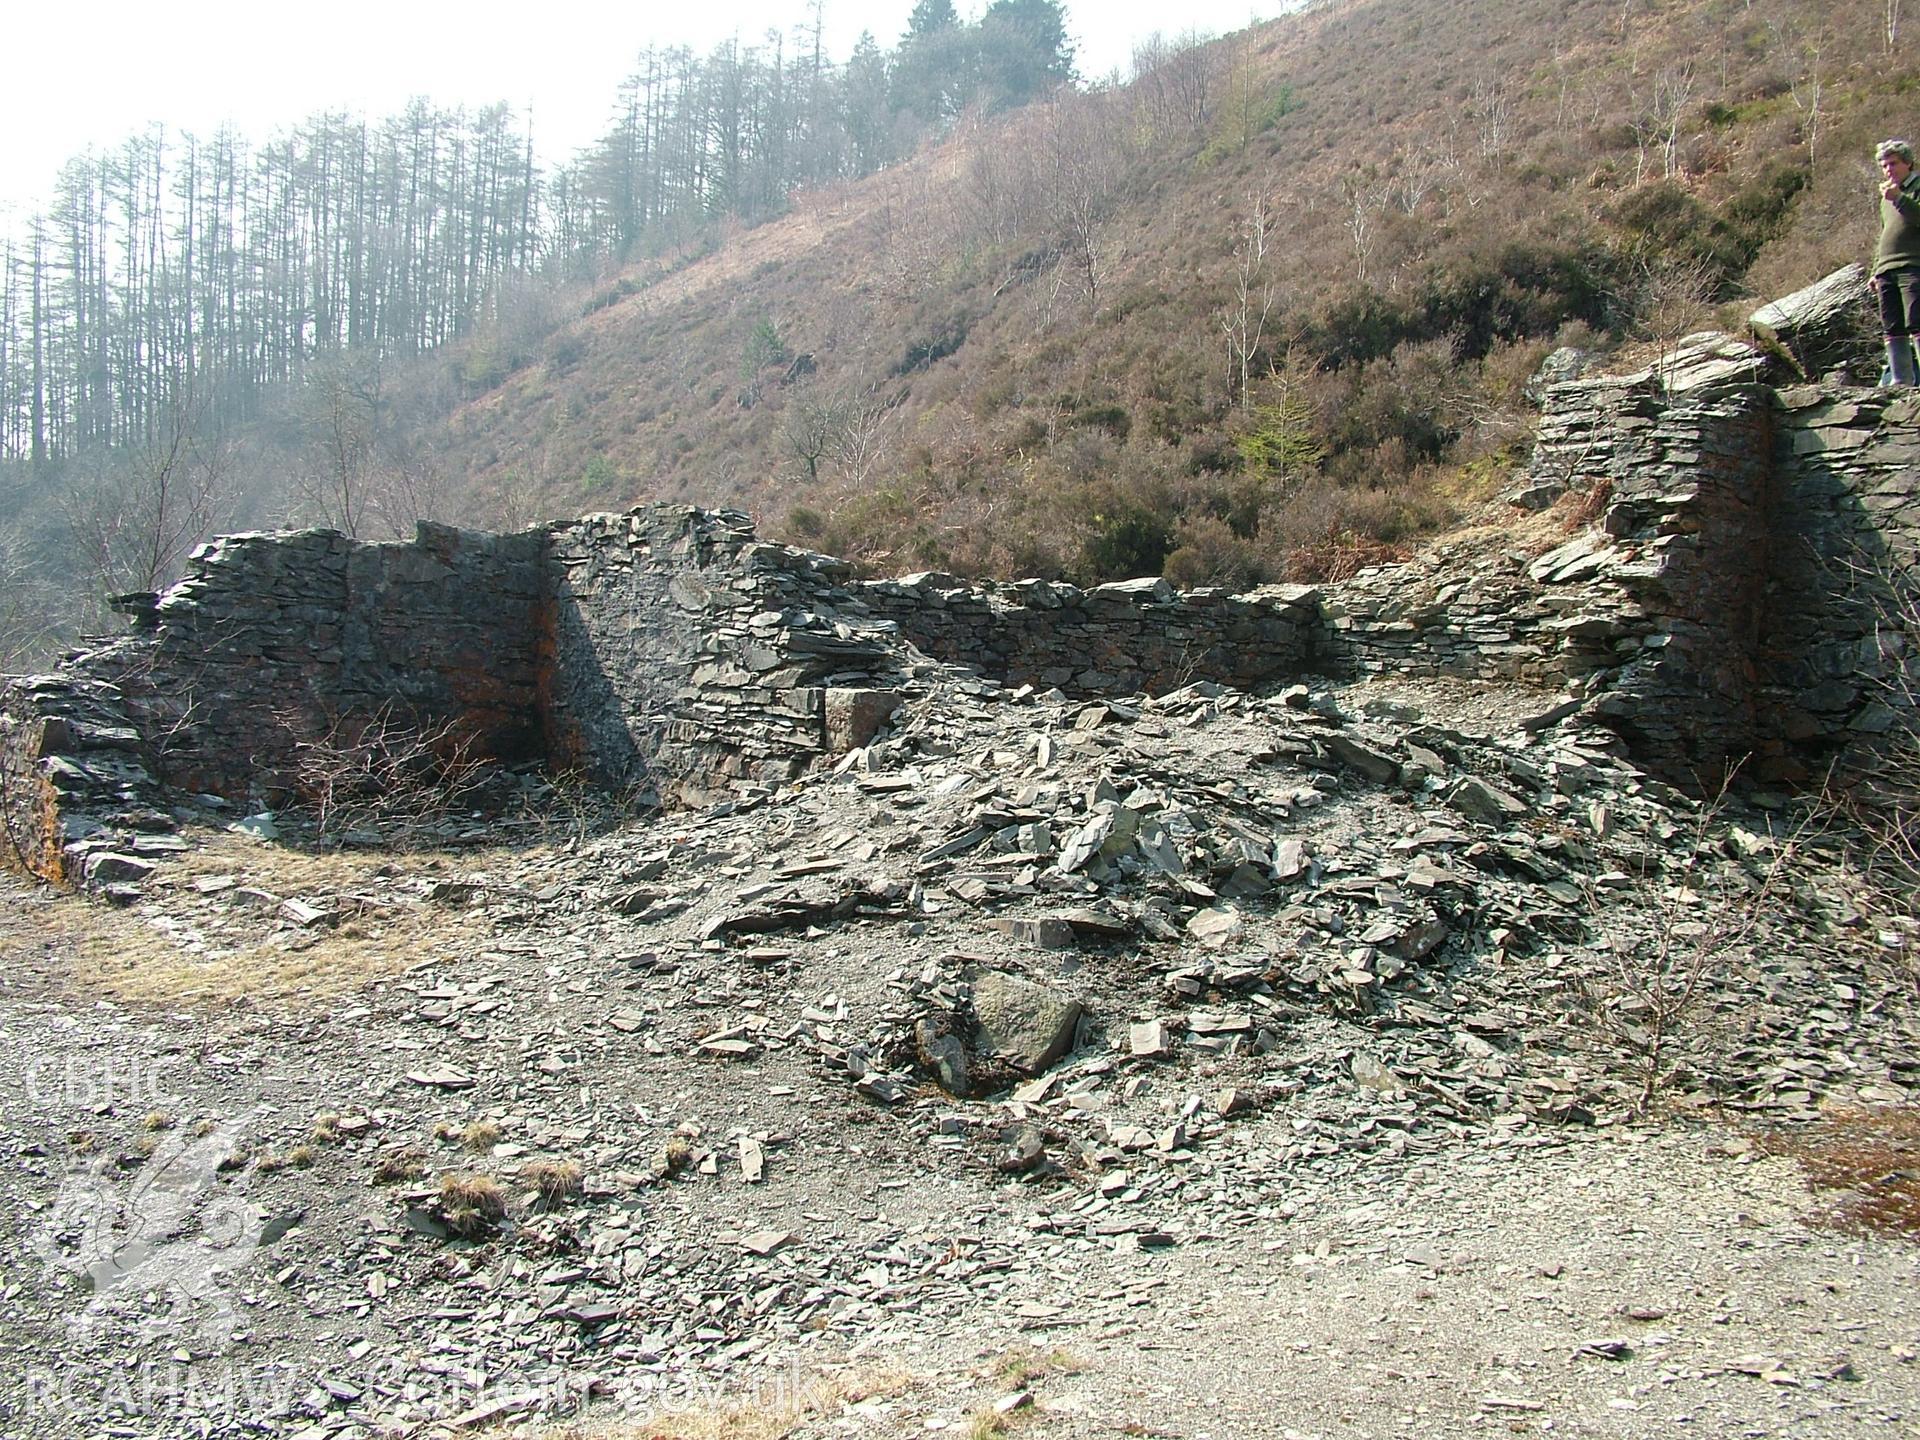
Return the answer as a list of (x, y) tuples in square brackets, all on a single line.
[(110, 867), (1047, 933), (442, 1077), (1478, 800), (1149, 1040), (1381, 769), (1213, 926)]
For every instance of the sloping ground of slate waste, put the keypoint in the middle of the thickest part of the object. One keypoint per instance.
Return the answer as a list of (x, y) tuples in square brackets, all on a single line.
[(1321, 1063)]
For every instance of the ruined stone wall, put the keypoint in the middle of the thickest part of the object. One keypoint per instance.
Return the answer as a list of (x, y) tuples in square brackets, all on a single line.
[(1841, 621), (1717, 609), (1123, 638), (76, 777), (688, 654), (685, 654), (270, 640), (1652, 616)]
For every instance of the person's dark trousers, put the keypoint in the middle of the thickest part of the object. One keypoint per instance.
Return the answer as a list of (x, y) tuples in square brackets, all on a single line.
[(1899, 295)]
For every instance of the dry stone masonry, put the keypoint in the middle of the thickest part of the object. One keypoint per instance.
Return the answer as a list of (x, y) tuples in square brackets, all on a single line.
[(1739, 601)]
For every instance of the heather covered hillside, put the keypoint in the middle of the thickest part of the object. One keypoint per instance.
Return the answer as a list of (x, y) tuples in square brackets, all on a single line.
[(1266, 310)]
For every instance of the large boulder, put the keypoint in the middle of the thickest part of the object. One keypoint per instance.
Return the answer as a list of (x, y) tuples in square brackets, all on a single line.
[(1028, 1025), (1826, 327)]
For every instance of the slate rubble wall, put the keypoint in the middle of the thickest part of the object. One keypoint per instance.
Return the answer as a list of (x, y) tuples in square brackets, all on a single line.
[(689, 655), (1118, 639), (1837, 650), (686, 654), (273, 638), (1650, 618)]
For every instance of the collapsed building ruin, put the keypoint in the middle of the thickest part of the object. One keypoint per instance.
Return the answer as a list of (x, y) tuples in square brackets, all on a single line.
[(1738, 600)]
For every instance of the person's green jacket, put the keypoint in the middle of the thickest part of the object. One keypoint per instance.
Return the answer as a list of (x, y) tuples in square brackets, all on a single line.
[(1899, 247)]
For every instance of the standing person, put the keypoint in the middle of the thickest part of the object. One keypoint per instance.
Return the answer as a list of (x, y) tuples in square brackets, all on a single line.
[(1896, 259)]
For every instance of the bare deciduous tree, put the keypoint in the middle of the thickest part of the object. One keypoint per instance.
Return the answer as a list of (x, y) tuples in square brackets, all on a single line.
[(1251, 305), (1804, 56), (1657, 119), (1174, 83), (846, 428), (1491, 108), (135, 513), (1364, 200)]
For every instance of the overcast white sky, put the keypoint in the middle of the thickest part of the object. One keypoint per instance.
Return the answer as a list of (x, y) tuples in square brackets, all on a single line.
[(95, 73)]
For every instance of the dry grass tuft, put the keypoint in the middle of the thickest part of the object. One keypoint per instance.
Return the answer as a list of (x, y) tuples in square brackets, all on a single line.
[(303, 1157), (396, 1167), (1866, 1162), (326, 1129), (245, 954), (471, 1204), (674, 1157), (480, 1137), (1578, 509), (1019, 1368), (158, 1120), (557, 1181), (771, 1416), (1341, 557)]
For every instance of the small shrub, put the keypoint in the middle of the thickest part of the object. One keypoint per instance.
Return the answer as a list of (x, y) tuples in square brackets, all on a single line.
[(1283, 444), (1031, 433), (803, 522), (598, 475), (1277, 106), (1125, 543), (946, 336), (1113, 419), (764, 346), (482, 368), (1211, 453), (1208, 552), (358, 769)]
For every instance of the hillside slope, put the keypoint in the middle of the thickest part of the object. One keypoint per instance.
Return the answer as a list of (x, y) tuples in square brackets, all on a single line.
[(1267, 307)]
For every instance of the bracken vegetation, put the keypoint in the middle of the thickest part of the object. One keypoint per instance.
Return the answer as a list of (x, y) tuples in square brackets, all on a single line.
[(1267, 310), (1865, 1164)]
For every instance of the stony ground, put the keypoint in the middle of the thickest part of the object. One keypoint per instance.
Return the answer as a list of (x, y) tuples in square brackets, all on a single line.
[(1422, 1068)]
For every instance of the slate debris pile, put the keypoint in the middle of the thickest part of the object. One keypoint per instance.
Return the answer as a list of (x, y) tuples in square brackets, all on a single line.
[(1025, 987)]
